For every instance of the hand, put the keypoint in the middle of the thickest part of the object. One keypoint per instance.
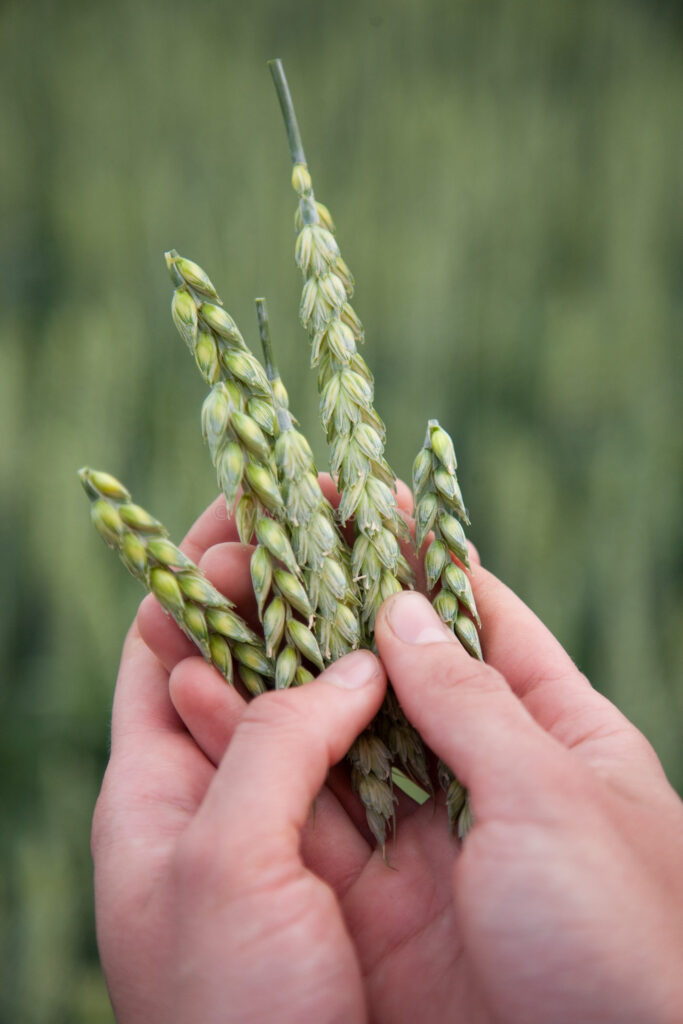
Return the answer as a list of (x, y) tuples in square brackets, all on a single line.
[(205, 910), (515, 927), (566, 902)]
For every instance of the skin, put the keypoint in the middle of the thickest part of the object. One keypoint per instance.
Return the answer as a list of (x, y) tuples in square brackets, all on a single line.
[(220, 897)]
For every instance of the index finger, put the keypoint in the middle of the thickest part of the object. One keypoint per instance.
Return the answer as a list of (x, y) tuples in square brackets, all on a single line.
[(156, 774)]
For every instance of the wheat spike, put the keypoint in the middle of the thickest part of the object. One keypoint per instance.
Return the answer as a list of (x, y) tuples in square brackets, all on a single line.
[(325, 558), (355, 431), (238, 420), (439, 507), (317, 543), (355, 434), (183, 591)]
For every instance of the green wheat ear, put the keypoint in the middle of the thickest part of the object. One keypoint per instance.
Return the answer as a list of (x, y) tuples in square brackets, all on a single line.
[(183, 591), (319, 548), (355, 434), (439, 507), (324, 557), (239, 422)]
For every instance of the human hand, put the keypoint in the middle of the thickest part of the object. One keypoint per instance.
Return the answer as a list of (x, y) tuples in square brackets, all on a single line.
[(205, 910), (419, 941), (566, 901)]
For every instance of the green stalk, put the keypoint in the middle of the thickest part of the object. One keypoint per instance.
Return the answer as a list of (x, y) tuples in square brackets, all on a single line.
[(280, 396), (283, 94)]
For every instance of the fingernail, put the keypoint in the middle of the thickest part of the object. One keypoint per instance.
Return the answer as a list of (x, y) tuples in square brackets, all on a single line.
[(352, 671), (414, 621)]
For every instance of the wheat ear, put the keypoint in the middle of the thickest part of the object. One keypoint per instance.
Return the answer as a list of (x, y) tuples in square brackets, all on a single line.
[(325, 558), (183, 591), (238, 420), (355, 434), (355, 431), (439, 507), (318, 545)]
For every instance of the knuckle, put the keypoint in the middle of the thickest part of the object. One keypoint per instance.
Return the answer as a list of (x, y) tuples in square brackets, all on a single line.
[(270, 711), (277, 716)]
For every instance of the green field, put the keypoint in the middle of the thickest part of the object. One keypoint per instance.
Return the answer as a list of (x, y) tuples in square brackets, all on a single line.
[(506, 182)]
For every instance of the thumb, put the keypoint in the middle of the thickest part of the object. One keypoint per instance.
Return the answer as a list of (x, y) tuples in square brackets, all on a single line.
[(469, 716)]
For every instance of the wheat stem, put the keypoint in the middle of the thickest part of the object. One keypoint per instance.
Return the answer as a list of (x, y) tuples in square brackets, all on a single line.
[(283, 94)]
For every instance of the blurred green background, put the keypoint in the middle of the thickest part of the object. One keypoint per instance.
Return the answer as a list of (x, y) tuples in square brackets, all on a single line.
[(505, 179)]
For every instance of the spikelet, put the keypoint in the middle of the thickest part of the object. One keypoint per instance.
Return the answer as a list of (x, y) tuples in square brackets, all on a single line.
[(183, 591), (371, 761), (238, 421), (439, 508)]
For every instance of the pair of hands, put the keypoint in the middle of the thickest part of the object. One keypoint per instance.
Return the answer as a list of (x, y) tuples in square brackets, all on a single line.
[(221, 897)]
